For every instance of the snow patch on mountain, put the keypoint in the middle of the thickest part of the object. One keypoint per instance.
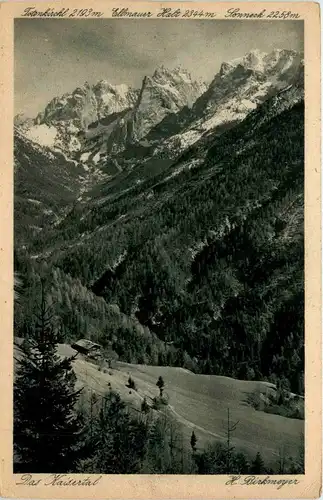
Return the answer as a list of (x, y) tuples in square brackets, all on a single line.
[(96, 158), (84, 157), (43, 134)]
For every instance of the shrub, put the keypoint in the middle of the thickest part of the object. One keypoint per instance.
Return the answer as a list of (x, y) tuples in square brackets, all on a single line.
[(144, 406), (158, 402), (254, 400)]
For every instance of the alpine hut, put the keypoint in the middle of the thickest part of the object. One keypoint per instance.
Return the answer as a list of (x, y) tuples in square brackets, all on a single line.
[(87, 347)]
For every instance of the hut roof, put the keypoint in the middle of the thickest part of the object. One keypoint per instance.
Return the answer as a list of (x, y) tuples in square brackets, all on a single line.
[(86, 344)]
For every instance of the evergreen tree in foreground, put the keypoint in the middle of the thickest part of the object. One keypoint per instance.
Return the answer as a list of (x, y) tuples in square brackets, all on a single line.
[(193, 441), (257, 465), (46, 427), (119, 441)]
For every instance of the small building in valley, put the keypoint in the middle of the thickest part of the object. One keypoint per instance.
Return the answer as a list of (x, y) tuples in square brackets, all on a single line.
[(87, 347)]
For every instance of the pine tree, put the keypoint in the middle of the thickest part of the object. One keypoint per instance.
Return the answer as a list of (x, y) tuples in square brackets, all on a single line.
[(131, 384), (240, 464), (257, 465), (119, 441), (193, 441), (160, 384), (157, 459), (46, 428)]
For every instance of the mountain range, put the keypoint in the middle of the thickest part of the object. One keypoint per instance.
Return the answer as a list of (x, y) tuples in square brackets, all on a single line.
[(168, 113), (181, 205)]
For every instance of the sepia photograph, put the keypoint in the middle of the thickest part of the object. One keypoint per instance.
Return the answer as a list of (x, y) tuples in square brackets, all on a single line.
[(160, 253), (158, 246)]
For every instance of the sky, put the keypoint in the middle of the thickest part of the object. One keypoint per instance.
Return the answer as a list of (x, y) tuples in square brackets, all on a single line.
[(54, 56)]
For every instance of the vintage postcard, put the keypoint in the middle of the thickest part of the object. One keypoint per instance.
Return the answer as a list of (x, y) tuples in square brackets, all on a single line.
[(160, 250)]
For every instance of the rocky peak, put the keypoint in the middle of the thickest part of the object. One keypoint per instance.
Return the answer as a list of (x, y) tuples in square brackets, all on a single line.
[(239, 87), (170, 108), (161, 73), (113, 98), (79, 106), (67, 118), (226, 67), (166, 91), (251, 78), (87, 104), (22, 121), (279, 60), (254, 60)]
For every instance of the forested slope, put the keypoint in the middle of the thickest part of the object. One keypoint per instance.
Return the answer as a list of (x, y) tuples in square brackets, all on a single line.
[(207, 254), (46, 184)]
